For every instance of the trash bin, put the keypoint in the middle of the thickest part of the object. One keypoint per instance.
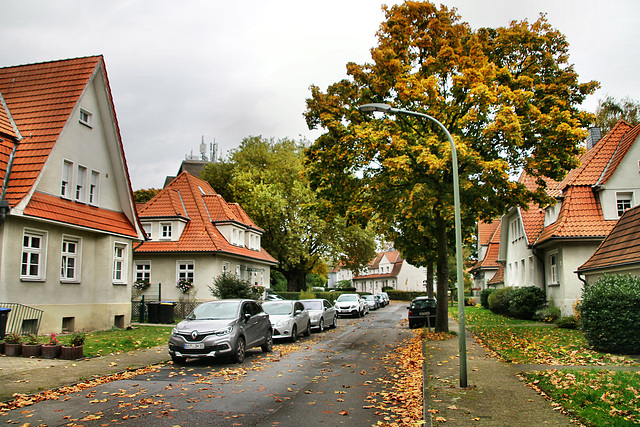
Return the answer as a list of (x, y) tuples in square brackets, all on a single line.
[(153, 309), (165, 312), (4, 315)]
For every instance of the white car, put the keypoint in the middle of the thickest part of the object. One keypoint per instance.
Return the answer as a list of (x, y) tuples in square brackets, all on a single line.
[(371, 302), (351, 305), (321, 312), (289, 319)]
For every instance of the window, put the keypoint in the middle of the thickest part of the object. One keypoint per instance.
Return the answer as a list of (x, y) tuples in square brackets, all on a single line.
[(225, 267), (186, 270), (623, 202), (119, 263), (147, 229), (143, 270), (166, 230), (67, 174), (86, 118), (33, 255), (69, 265), (553, 269), (516, 230), (81, 183), (94, 185)]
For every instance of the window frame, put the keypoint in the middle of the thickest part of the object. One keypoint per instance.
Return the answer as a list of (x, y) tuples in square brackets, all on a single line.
[(122, 280), (166, 231), (625, 198), (554, 278), (66, 185), (183, 273), (80, 193), (85, 117), (41, 251), (142, 274), (76, 256), (94, 188)]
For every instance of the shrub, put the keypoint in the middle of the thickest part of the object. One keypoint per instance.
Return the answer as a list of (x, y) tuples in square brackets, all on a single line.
[(484, 297), (230, 286), (548, 314), (610, 312), (499, 300), (32, 339), (76, 339), (470, 302), (308, 294), (524, 302), (568, 322), (13, 338)]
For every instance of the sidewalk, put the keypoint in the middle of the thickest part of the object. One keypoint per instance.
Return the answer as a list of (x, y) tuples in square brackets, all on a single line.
[(29, 375), (494, 396)]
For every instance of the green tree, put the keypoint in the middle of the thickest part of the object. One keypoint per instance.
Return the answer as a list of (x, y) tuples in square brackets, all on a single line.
[(508, 97), (230, 286), (143, 196), (610, 111), (267, 180)]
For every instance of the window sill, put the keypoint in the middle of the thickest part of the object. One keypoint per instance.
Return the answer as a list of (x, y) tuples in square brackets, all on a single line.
[(554, 284), (70, 282), (32, 279), (119, 284)]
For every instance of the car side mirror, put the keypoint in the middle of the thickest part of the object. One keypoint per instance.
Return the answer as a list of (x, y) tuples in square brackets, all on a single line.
[(408, 308), (297, 312), (247, 316)]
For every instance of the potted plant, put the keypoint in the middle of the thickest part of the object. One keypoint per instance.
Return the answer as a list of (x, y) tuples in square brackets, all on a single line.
[(31, 347), (75, 348), (52, 349), (12, 345)]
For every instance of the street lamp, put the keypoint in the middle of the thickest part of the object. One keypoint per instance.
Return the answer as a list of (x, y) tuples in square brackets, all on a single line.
[(462, 344)]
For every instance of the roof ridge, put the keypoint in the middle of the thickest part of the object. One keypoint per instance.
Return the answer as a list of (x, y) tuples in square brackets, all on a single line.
[(53, 61)]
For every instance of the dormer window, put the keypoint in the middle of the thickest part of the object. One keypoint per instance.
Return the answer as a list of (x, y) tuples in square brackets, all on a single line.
[(623, 202), (86, 118), (166, 230)]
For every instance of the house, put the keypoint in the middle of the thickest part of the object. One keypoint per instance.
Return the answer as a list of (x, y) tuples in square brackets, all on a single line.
[(544, 247), (619, 253), (487, 267), (195, 236), (68, 223), (389, 269), (338, 274)]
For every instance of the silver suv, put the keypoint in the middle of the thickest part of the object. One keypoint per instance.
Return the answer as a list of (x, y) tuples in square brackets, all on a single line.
[(351, 305), (221, 328)]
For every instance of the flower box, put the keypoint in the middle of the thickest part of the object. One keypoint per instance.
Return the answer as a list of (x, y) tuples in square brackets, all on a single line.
[(71, 353), (51, 351), (31, 350)]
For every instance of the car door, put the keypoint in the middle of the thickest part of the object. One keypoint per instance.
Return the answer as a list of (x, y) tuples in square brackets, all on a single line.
[(299, 315), (251, 323), (329, 312)]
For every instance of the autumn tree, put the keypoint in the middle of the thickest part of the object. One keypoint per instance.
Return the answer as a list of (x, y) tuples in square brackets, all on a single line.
[(265, 176), (610, 111), (507, 95)]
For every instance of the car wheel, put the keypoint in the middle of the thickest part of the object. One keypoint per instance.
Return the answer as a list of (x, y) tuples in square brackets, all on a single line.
[(335, 322), (307, 332), (267, 347), (411, 325), (294, 333), (238, 354), (321, 324), (178, 360)]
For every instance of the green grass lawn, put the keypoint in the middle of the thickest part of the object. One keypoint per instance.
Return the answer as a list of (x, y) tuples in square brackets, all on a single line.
[(120, 340), (596, 397)]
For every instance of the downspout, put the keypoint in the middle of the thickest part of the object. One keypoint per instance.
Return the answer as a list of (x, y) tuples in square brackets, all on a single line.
[(4, 204)]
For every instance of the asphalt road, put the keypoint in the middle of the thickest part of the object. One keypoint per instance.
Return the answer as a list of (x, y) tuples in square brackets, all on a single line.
[(324, 379)]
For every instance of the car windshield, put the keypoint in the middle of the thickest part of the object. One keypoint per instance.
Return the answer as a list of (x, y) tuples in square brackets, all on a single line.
[(368, 297), (423, 303), (278, 308), (348, 297), (312, 305), (215, 310)]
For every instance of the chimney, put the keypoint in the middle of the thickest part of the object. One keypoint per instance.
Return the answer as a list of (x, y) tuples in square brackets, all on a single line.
[(595, 135)]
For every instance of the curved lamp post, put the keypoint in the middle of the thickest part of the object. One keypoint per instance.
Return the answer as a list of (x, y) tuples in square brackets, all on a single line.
[(385, 108)]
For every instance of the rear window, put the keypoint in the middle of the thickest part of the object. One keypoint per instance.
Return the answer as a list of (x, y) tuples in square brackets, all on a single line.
[(423, 304), (312, 305)]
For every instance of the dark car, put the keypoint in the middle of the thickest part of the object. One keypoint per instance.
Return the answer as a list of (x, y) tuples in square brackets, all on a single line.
[(422, 312), (221, 328)]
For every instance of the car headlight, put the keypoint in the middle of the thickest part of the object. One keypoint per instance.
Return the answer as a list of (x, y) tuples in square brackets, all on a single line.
[(224, 331), (174, 332), (282, 322)]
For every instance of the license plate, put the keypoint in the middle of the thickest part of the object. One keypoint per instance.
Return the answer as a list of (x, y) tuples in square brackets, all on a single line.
[(424, 313), (194, 346)]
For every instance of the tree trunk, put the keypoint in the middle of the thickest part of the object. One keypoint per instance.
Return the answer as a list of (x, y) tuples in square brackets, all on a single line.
[(296, 279), (442, 272), (430, 279)]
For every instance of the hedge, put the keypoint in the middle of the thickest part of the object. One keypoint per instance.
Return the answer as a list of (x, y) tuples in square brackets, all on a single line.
[(610, 314), (332, 296), (521, 303)]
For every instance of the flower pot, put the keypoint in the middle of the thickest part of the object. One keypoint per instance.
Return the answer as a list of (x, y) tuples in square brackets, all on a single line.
[(31, 350), (1, 347), (71, 353), (12, 350), (51, 351)]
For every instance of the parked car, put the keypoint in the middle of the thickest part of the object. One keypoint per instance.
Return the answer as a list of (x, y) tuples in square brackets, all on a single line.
[(351, 305), (288, 319), (273, 297), (379, 300), (385, 296), (371, 302), (422, 312), (221, 328), (321, 313)]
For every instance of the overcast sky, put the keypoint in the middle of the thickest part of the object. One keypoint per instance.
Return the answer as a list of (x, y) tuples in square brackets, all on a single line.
[(225, 70)]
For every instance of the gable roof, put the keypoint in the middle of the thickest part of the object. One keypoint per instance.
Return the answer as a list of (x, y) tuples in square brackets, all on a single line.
[(193, 200), (621, 246), (394, 258), (37, 102), (490, 260)]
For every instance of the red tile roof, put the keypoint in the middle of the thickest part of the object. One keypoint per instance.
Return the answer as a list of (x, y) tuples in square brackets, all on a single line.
[(626, 142), (40, 98), (621, 247), (497, 278), (193, 199), (490, 260), (79, 214), (486, 230), (394, 257)]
